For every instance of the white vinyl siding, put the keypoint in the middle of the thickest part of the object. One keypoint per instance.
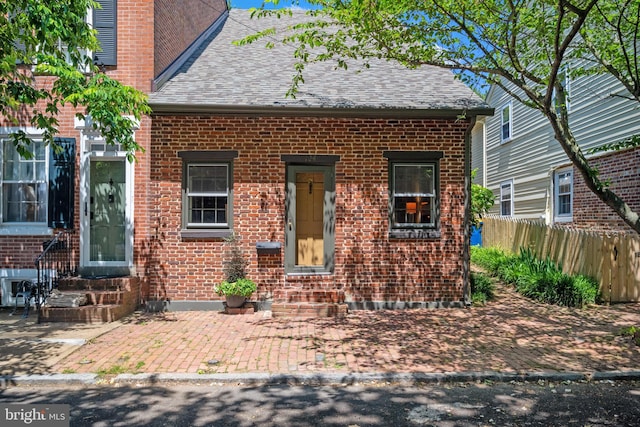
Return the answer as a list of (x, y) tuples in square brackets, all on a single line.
[(478, 161), (597, 117)]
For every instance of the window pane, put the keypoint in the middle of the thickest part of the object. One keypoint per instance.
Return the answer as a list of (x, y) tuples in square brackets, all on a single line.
[(414, 179), (506, 122), (24, 184), (564, 205), (207, 179), (413, 210), (505, 115), (505, 199), (564, 183), (24, 202), (505, 131), (564, 193), (506, 208), (208, 210)]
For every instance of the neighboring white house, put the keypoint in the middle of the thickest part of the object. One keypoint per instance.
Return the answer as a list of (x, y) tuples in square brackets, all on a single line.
[(525, 167)]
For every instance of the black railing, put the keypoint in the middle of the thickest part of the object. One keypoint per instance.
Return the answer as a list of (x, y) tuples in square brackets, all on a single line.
[(54, 263)]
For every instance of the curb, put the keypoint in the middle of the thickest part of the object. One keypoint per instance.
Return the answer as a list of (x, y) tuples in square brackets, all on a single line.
[(324, 379)]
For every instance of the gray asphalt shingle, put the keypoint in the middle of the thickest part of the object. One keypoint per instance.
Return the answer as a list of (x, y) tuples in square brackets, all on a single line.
[(221, 73)]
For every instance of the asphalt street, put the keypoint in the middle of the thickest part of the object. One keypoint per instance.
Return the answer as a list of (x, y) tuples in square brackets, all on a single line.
[(540, 403)]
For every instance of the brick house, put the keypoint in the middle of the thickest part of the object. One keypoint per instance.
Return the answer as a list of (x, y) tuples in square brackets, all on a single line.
[(353, 194), (142, 41)]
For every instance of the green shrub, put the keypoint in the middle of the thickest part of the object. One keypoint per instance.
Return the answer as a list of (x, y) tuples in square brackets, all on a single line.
[(489, 259), (539, 279), (241, 287), (482, 288)]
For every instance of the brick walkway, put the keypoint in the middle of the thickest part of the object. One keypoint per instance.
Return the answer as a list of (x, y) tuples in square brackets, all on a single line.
[(510, 334)]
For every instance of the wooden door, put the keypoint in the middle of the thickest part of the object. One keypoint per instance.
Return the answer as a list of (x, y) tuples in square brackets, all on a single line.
[(309, 218)]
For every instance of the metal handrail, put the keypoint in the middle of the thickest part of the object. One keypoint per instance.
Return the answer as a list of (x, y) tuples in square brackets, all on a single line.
[(52, 264)]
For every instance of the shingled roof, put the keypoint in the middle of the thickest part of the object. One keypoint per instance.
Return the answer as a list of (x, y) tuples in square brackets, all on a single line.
[(222, 76)]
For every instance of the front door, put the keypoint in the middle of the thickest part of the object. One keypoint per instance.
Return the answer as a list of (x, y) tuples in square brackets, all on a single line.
[(106, 246), (310, 205)]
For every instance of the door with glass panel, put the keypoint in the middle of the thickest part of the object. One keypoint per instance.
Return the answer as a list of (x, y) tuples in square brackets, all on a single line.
[(309, 235), (105, 211)]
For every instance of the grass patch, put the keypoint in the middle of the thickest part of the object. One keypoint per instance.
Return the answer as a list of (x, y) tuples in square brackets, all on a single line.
[(121, 368), (539, 279), (113, 370)]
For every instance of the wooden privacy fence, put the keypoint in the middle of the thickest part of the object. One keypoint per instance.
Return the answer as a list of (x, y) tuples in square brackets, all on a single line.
[(612, 259)]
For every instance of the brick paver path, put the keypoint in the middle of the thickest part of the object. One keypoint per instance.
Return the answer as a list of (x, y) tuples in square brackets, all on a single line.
[(509, 334)]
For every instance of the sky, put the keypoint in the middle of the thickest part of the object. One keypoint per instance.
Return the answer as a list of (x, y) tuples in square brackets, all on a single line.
[(247, 4)]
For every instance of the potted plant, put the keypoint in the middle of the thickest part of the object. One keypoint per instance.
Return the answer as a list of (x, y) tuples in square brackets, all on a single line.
[(236, 287)]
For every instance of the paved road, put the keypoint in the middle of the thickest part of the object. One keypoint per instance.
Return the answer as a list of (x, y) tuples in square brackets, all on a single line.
[(600, 403)]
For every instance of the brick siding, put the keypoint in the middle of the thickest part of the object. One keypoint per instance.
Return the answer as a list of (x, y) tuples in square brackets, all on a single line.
[(135, 49), (368, 265), (622, 169)]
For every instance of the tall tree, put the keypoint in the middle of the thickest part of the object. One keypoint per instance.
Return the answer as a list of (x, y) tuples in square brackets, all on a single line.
[(521, 46), (40, 38)]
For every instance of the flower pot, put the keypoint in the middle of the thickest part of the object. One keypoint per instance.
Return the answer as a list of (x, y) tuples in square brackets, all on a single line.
[(235, 301)]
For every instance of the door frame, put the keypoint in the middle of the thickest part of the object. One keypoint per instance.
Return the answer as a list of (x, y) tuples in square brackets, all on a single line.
[(99, 268), (329, 211)]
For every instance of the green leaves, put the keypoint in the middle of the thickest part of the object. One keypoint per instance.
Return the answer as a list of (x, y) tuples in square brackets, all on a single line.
[(482, 199), (52, 38)]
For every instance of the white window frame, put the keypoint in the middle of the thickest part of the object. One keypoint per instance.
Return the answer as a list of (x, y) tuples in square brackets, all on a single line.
[(23, 228), (557, 216), (190, 194), (509, 123), (503, 185)]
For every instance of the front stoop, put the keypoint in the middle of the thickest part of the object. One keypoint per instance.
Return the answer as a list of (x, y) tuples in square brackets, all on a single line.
[(108, 299), (308, 303)]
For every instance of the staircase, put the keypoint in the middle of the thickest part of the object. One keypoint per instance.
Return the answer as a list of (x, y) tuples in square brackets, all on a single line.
[(107, 299), (308, 303)]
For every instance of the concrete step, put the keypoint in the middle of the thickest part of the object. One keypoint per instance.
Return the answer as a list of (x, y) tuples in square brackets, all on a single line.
[(302, 309)]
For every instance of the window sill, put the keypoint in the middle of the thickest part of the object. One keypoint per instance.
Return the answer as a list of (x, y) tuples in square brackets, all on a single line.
[(414, 234), (563, 219), (25, 230), (205, 234)]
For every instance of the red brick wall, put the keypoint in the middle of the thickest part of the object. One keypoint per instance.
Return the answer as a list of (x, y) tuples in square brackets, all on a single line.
[(178, 24), (134, 67), (622, 169), (368, 266)]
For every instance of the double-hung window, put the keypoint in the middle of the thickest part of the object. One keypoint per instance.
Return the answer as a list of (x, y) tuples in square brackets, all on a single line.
[(563, 195), (414, 195), (24, 185), (506, 123), (207, 193), (506, 198)]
